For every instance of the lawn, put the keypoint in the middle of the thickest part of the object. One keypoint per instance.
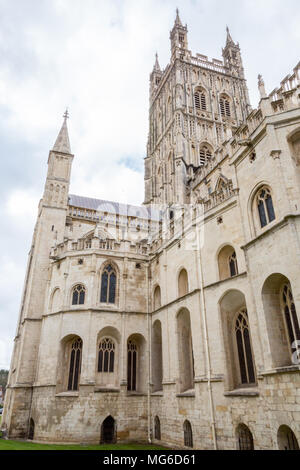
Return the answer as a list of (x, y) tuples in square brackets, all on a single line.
[(25, 445)]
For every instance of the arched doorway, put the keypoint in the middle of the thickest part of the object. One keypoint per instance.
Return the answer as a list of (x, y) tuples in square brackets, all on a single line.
[(287, 439), (108, 431)]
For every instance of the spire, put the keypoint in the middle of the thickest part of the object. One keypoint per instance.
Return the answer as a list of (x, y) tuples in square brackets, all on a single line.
[(62, 143), (229, 38), (177, 20), (156, 65)]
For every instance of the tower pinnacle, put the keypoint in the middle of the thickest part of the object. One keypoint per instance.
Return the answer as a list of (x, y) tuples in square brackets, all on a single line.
[(177, 20), (156, 65), (62, 143)]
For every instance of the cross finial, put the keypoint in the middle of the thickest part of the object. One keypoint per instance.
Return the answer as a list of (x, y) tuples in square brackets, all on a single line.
[(66, 115)]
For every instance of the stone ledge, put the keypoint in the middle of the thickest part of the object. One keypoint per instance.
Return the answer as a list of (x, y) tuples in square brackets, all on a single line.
[(136, 394), (67, 394), (242, 392), (281, 370), (187, 394), (106, 390), (157, 394)]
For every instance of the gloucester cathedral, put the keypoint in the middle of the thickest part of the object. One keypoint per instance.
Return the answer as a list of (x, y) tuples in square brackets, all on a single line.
[(175, 322)]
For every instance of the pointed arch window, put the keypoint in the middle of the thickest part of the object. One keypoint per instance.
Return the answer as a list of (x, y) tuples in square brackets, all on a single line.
[(78, 296), (75, 364), (265, 207), (106, 355), (243, 343), (291, 319), (205, 155), (225, 106), (233, 266), (132, 358), (108, 285), (200, 100)]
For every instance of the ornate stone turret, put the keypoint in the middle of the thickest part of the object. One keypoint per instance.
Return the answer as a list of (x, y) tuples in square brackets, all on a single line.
[(59, 169), (155, 76), (232, 56), (261, 87), (178, 36)]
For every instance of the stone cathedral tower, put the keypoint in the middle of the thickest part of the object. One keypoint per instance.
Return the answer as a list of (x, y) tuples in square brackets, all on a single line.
[(195, 105)]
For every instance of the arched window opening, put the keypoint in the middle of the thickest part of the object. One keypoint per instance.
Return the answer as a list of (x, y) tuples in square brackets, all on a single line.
[(132, 359), (265, 207), (240, 365), (78, 296), (75, 364), (108, 285), (188, 434), (286, 439), (225, 106), (31, 430), (205, 155), (200, 100), (290, 317), (233, 267), (106, 355), (157, 433), (183, 283), (108, 431), (227, 263), (157, 298), (245, 438), (243, 343)]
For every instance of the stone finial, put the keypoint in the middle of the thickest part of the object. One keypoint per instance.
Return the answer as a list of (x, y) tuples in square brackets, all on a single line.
[(156, 65), (261, 87), (229, 38), (62, 143), (177, 20)]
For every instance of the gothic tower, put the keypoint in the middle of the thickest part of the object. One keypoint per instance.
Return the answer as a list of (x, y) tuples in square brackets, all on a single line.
[(195, 105), (49, 230)]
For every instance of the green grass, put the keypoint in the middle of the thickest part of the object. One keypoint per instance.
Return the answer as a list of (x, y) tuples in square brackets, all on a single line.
[(25, 445)]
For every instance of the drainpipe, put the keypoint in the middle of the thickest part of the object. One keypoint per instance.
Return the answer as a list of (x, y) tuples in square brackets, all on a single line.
[(203, 311), (149, 317)]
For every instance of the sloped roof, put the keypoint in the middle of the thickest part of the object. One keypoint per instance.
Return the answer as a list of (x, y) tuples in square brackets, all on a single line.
[(112, 207)]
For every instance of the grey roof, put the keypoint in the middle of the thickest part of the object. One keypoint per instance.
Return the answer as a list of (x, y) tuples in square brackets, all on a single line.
[(111, 207)]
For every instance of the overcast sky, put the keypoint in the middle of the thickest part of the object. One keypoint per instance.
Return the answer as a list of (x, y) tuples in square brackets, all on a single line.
[(95, 56)]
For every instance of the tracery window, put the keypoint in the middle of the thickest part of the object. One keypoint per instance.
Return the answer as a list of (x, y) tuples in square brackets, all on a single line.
[(106, 355), (265, 206), (75, 364), (205, 155), (225, 106), (78, 296), (188, 434), (132, 358), (233, 266), (243, 343), (108, 285), (290, 317)]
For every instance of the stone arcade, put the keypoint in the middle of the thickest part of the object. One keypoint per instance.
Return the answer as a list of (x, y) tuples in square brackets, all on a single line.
[(177, 323)]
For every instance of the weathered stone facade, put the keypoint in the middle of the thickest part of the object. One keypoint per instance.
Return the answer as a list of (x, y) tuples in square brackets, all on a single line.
[(198, 298)]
